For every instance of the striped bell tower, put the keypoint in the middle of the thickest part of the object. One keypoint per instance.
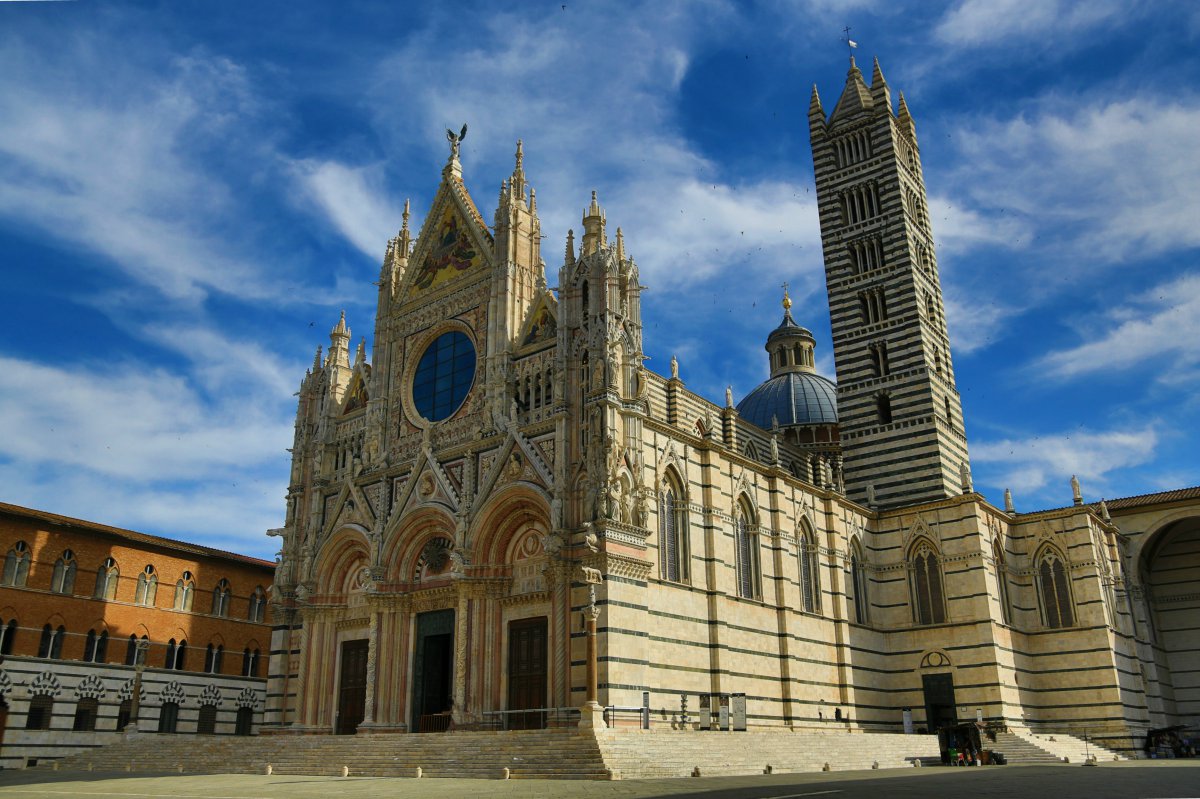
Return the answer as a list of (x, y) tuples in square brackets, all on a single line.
[(899, 412)]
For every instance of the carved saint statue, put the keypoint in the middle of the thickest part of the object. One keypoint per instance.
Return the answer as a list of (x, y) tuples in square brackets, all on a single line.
[(674, 368)]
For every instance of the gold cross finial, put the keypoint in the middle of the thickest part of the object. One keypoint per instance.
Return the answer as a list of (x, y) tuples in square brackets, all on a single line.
[(787, 301)]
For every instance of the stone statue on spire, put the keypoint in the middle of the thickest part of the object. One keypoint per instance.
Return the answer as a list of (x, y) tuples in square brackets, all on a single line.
[(455, 139)]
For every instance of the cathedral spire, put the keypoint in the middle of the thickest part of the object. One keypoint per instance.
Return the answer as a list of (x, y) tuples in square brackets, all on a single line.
[(856, 97), (593, 227)]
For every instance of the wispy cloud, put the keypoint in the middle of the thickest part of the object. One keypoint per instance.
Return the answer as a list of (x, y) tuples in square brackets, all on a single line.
[(1052, 23), (1077, 172), (105, 158), (1161, 322), (1033, 464), (353, 201)]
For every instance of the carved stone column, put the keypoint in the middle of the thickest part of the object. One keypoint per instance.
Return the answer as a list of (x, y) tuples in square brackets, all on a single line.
[(372, 649), (461, 629), (301, 718)]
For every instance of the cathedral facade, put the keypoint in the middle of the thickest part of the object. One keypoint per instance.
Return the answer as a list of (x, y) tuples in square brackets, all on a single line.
[(505, 468)]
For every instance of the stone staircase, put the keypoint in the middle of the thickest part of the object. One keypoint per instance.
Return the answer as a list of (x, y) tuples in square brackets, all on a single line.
[(648, 754), (535, 754), (1059, 746)]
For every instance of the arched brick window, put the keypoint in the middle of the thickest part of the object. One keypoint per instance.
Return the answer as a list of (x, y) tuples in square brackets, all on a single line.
[(106, 580), (810, 570), (147, 587), (258, 604), (185, 589), (16, 565), (220, 598), (63, 579)]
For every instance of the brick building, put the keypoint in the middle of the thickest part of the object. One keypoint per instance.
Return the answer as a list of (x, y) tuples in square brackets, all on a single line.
[(77, 597)]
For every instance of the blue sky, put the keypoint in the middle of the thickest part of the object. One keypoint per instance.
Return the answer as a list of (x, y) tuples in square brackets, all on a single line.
[(191, 192)]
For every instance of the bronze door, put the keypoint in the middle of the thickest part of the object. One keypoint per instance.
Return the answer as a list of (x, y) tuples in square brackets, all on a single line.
[(527, 673), (352, 687)]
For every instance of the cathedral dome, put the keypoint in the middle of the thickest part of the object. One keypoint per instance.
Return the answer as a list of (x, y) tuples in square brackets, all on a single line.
[(794, 398), (795, 394)]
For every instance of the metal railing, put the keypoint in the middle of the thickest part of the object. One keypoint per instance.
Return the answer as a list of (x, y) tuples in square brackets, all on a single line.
[(536, 718)]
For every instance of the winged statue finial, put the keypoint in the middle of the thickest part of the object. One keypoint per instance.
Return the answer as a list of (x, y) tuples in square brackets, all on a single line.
[(455, 139)]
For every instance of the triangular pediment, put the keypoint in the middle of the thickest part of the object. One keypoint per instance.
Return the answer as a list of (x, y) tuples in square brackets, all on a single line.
[(541, 324), (454, 242), (358, 392)]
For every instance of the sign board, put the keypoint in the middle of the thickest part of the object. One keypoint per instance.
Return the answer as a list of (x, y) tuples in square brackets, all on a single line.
[(737, 707), (705, 720), (908, 725)]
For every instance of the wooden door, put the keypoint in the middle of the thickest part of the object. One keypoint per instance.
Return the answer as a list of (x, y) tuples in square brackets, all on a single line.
[(527, 672), (940, 708), (352, 686)]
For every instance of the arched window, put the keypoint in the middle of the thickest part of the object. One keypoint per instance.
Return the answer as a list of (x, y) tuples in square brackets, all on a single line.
[(169, 659), (52, 640), (883, 404), (672, 533), (858, 582), (206, 722), (7, 633), (250, 662), (95, 649), (1001, 582), (168, 717), (106, 580), (41, 708), (810, 575), (63, 580), (16, 565), (749, 576), (258, 604), (147, 587), (1055, 589), (212, 658), (124, 714), (220, 599), (245, 721), (85, 714), (185, 587), (929, 605), (131, 650), (181, 655)]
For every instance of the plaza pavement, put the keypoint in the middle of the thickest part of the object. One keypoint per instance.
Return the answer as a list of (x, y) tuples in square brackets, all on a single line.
[(1158, 779)]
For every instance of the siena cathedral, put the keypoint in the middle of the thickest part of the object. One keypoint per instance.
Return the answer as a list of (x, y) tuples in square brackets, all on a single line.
[(505, 469)]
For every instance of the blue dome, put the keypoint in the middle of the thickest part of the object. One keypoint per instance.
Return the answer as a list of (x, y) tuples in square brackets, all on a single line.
[(794, 398)]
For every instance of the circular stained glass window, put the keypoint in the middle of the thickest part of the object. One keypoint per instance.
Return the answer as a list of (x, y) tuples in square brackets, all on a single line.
[(444, 376)]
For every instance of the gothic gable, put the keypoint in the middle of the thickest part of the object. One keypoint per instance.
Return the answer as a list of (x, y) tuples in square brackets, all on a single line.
[(454, 242)]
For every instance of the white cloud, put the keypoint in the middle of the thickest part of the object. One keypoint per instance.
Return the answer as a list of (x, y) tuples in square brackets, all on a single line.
[(973, 23), (1034, 463), (1082, 176), (354, 201), (1164, 321), (103, 162)]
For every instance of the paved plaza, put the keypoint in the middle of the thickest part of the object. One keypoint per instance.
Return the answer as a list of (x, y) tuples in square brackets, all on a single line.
[(1139, 779)]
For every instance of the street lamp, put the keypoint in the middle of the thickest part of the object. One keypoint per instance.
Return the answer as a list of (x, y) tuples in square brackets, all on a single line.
[(139, 665)]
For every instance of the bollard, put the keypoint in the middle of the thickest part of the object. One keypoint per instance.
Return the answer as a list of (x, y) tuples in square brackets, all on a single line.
[(91, 766), (129, 766), (505, 773), (917, 763), (696, 771), (345, 771), (769, 769), (270, 769), (419, 773), (179, 767), (875, 765), (55, 765), (825, 767)]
